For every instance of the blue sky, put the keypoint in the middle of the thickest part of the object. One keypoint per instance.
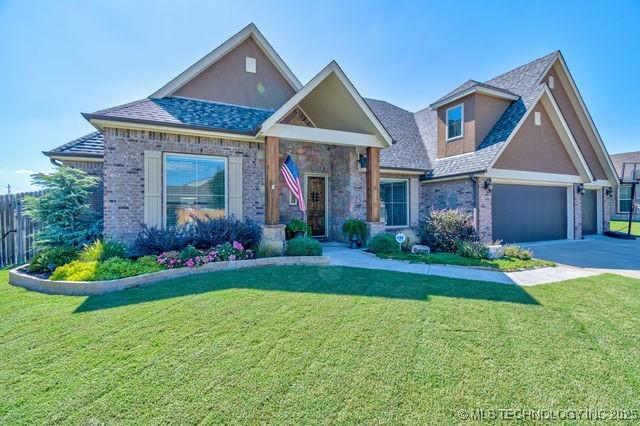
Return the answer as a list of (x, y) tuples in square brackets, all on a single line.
[(61, 58)]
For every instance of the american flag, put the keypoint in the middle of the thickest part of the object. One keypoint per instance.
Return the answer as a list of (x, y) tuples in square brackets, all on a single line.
[(291, 176)]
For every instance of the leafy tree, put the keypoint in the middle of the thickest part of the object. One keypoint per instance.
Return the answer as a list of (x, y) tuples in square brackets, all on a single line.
[(64, 211)]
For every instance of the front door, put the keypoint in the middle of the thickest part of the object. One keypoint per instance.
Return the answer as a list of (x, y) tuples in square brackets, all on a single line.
[(317, 205)]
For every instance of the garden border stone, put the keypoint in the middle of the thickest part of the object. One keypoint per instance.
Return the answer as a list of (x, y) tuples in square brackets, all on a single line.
[(91, 288)]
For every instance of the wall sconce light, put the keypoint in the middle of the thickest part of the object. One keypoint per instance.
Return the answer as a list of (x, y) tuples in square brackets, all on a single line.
[(580, 189), (488, 185), (362, 160), (609, 192)]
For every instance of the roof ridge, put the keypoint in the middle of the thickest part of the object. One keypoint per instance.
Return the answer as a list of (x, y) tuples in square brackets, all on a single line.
[(554, 53)]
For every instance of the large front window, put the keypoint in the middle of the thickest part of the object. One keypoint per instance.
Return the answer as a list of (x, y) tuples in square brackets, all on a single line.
[(624, 198), (194, 186), (455, 121), (394, 194)]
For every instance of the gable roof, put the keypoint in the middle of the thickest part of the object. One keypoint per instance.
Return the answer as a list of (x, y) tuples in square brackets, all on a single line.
[(187, 113), (473, 86), (331, 69), (90, 146), (249, 31), (624, 157)]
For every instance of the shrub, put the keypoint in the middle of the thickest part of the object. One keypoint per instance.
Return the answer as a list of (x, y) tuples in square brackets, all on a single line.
[(265, 250), (296, 225), (228, 251), (153, 240), (102, 250), (444, 228), (303, 247), (472, 249), (76, 271), (50, 258), (204, 233), (383, 243), (513, 250), (64, 210), (116, 267), (354, 227), (191, 257)]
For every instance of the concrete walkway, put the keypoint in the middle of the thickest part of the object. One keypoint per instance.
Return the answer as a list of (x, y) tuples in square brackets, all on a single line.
[(341, 255)]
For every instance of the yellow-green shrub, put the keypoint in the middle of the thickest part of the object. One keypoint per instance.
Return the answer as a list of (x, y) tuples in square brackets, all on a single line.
[(75, 271)]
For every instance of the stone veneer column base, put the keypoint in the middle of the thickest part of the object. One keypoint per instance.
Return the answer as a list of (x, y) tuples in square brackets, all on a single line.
[(273, 236), (375, 228)]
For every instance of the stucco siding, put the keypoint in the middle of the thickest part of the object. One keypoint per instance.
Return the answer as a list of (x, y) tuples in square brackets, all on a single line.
[(537, 148), (227, 80)]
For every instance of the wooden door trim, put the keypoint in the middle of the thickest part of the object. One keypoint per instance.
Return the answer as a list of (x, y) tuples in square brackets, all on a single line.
[(326, 199)]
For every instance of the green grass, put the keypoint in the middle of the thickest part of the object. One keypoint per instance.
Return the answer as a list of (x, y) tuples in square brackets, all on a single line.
[(317, 345), (505, 264), (623, 226)]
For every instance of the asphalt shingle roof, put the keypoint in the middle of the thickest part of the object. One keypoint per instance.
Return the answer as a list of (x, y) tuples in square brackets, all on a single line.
[(414, 134), (470, 84), (625, 157), (91, 145), (190, 113), (408, 150)]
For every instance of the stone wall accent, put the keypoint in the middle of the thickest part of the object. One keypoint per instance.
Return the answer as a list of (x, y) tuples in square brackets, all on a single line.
[(273, 236), (124, 174), (449, 194), (607, 201), (348, 190), (484, 217), (577, 213), (375, 228), (92, 168)]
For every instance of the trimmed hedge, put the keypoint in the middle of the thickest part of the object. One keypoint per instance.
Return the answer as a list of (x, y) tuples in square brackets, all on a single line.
[(303, 247), (383, 243)]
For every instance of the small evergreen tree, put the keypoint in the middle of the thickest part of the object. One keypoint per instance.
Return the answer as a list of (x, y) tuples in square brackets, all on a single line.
[(63, 211)]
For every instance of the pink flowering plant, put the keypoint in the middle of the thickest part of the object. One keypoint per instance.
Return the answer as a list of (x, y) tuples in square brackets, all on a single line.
[(193, 258), (170, 259)]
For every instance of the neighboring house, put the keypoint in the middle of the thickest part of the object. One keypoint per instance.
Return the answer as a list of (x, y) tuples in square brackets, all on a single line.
[(620, 207), (518, 151)]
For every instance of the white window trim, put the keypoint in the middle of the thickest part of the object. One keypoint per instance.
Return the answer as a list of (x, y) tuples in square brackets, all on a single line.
[(164, 180), (446, 122), (618, 209), (408, 202)]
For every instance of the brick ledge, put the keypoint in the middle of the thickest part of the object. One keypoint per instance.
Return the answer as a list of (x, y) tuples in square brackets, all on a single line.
[(90, 288)]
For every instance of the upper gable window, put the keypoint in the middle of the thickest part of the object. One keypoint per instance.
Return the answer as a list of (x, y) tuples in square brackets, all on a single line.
[(454, 120), (251, 64)]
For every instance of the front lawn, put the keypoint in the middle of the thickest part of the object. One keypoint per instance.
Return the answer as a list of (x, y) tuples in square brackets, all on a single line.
[(307, 345), (505, 264), (623, 226)]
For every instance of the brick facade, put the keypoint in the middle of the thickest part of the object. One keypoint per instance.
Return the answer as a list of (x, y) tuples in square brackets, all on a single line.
[(92, 168), (484, 218), (124, 174)]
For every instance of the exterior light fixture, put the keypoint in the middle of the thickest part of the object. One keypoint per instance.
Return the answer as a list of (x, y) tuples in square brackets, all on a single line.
[(362, 160), (488, 185), (580, 189), (609, 192)]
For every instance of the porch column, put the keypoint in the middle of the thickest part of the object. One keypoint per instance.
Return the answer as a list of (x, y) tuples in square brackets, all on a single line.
[(271, 190), (373, 184)]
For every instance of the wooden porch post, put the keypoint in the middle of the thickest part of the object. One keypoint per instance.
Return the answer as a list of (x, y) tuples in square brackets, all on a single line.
[(373, 184), (271, 190)]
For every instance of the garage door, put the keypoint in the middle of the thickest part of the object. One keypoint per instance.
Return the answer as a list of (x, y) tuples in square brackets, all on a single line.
[(529, 213), (590, 212)]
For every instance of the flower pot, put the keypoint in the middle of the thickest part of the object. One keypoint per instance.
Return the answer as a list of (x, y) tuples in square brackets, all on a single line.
[(298, 234), (354, 241)]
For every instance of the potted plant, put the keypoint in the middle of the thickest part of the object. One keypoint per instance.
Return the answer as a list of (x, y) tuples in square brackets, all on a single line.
[(355, 230), (296, 228)]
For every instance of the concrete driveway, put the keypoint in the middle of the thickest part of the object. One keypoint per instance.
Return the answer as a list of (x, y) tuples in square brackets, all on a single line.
[(595, 253)]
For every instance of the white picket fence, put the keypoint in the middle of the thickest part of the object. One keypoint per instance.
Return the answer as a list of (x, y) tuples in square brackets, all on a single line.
[(16, 229)]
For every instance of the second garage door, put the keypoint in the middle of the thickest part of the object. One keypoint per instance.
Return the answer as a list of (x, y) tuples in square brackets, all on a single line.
[(524, 213)]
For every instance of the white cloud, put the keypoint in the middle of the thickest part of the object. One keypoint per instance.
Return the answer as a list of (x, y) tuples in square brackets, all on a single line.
[(24, 172)]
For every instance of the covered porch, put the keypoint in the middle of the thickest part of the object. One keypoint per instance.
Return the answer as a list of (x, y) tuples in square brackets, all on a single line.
[(335, 141)]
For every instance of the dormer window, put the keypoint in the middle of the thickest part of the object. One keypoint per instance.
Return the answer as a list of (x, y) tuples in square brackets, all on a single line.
[(454, 120)]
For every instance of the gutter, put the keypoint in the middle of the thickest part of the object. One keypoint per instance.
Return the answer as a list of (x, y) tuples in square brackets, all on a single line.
[(426, 177)]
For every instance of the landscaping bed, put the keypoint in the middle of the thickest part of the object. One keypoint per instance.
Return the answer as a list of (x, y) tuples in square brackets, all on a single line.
[(504, 264)]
